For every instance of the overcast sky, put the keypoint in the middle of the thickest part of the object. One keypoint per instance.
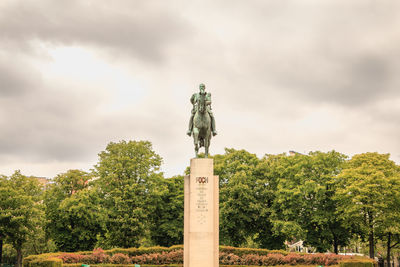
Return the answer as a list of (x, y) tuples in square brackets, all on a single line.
[(284, 75)]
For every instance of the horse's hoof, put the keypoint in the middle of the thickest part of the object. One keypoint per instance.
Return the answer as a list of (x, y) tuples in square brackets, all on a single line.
[(189, 133), (214, 133)]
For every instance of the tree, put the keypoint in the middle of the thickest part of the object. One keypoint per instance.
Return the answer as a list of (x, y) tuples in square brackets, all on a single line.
[(305, 206), (128, 178), (234, 169), (167, 219), (368, 193), (4, 218), (390, 217), (232, 162), (245, 201), (72, 181), (74, 215), (21, 213)]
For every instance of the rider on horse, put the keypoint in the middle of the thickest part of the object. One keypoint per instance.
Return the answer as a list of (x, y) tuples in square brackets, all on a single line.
[(194, 100)]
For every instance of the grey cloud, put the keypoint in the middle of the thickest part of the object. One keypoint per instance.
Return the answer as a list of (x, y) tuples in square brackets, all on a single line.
[(328, 52), (43, 124), (39, 126), (46, 125), (38, 123), (138, 28), (350, 82), (15, 80)]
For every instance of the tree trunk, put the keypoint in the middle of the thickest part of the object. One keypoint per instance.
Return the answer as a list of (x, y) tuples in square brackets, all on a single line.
[(335, 245), (1, 251), (19, 257), (371, 243), (388, 249)]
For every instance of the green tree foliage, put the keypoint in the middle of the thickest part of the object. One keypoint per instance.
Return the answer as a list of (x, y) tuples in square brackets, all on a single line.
[(72, 181), (167, 226), (126, 202), (369, 195), (128, 179), (305, 206), (74, 215), (245, 200), (21, 212), (39, 242), (235, 169), (4, 218), (390, 230)]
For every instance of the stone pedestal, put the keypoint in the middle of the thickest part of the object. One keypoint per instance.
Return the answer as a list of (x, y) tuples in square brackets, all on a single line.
[(201, 218)]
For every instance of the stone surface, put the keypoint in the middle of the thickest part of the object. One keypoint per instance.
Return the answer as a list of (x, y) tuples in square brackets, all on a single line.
[(201, 218)]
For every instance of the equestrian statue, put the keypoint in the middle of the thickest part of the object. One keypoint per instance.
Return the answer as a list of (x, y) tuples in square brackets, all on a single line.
[(202, 122)]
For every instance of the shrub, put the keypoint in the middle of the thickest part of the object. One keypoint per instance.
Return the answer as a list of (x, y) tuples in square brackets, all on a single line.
[(26, 262), (272, 259), (46, 262), (171, 257), (141, 251), (127, 265), (255, 251), (228, 258), (174, 255), (98, 256), (358, 262), (120, 258), (71, 258)]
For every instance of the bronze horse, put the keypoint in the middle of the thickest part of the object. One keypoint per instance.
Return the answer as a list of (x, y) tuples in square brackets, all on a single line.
[(202, 125)]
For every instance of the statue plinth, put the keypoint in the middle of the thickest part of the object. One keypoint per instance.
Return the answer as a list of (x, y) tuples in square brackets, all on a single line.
[(201, 215)]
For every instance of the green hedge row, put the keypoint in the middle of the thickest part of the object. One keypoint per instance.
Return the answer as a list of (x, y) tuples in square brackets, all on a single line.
[(176, 265), (150, 250), (56, 259), (141, 251), (43, 260), (255, 251), (358, 262), (237, 251), (124, 265)]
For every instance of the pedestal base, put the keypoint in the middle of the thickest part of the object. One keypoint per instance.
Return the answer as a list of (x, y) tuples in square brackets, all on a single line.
[(201, 218)]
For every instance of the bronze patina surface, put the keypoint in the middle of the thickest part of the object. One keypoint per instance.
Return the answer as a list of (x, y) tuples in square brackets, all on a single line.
[(202, 122)]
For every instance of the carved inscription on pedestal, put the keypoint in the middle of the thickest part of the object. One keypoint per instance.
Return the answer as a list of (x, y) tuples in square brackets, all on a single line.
[(201, 215), (201, 199)]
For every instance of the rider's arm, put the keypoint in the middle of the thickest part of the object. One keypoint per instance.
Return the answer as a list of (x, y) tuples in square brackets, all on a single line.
[(208, 99), (192, 99)]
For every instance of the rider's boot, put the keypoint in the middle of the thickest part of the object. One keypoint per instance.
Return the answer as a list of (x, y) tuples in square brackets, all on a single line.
[(189, 132), (214, 131)]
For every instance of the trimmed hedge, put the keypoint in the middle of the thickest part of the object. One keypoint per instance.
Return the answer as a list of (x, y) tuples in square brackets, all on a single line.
[(175, 265), (151, 250), (256, 251), (228, 258), (49, 262), (358, 262), (45, 260), (279, 259), (126, 265), (173, 256), (140, 251)]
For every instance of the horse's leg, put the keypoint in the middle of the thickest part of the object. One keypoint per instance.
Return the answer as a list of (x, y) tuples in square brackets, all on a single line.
[(207, 143), (207, 136), (196, 140)]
